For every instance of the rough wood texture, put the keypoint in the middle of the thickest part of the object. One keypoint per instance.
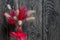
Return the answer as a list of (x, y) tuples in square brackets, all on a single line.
[(51, 17)]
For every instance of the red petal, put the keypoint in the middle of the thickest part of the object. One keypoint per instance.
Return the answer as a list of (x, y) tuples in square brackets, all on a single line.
[(3, 15), (10, 20), (24, 11), (12, 13), (12, 34), (23, 34), (20, 16)]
